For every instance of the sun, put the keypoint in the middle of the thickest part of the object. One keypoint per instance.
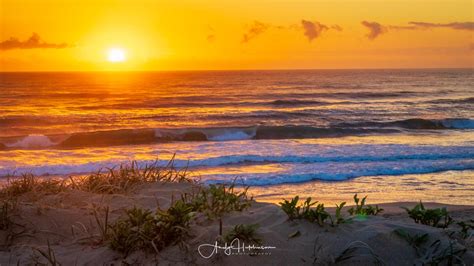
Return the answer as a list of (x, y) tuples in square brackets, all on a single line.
[(116, 55)]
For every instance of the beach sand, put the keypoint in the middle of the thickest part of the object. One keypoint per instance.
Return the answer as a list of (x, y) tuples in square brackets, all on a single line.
[(66, 220)]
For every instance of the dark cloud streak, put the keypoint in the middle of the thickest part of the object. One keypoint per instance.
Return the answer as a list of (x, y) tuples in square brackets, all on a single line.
[(33, 42), (254, 30), (375, 29), (452, 25)]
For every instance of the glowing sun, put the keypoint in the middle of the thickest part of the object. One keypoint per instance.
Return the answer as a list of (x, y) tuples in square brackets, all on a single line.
[(116, 55)]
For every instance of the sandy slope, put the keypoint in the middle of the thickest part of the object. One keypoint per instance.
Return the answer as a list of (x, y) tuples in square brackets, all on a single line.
[(67, 222)]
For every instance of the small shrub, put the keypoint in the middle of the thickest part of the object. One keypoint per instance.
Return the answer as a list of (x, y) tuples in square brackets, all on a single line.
[(466, 226), (362, 209), (141, 230), (318, 214), (245, 232), (174, 222), (291, 208), (136, 231), (305, 211), (216, 200), (430, 217)]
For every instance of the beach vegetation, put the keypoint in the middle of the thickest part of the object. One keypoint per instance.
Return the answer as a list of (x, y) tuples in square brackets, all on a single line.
[(306, 211), (362, 209), (244, 232), (291, 208), (6, 210), (126, 177), (449, 255), (29, 183), (339, 219), (218, 199), (49, 255), (437, 217), (359, 249), (466, 228), (414, 240), (317, 214), (102, 224), (140, 229), (121, 179)]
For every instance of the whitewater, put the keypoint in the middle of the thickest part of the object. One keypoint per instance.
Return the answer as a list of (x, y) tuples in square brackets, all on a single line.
[(266, 128)]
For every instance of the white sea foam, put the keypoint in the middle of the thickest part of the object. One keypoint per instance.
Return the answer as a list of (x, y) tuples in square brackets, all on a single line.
[(458, 123), (32, 141), (299, 161)]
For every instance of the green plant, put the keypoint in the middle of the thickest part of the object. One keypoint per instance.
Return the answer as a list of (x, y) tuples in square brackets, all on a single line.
[(318, 214), (338, 216), (103, 225), (6, 209), (430, 217), (30, 183), (136, 231), (141, 230), (305, 211), (216, 200), (466, 226), (362, 209), (174, 222), (245, 232), (291, 208), (48, 255), (451, 254), (127, 177), (416, 241)]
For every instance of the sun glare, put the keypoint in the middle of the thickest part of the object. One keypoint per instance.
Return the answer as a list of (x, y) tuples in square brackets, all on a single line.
[(116, 55)]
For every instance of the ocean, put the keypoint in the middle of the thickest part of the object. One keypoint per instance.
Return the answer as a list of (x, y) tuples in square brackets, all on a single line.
[(270, 129)]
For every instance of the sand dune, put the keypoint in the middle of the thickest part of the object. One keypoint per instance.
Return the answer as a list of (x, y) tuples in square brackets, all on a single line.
[(66, 221)]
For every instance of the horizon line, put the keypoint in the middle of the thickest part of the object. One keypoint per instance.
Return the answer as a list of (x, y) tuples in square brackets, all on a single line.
[(232, 70)]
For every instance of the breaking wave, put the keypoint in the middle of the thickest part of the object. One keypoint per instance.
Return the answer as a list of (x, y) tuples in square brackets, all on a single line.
[(146, 136)]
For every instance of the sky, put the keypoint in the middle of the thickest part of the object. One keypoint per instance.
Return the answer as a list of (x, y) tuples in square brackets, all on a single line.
[(79, 35)]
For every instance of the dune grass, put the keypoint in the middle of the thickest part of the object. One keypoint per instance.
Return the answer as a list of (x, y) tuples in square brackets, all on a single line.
[(244, 232), (29, 183), (121, 179), (126, 177)]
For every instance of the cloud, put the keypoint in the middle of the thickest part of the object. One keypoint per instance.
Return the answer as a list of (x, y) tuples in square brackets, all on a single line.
[(375, 29), (211, 36), (336, 27), (254, 30), (31, 43), (452, 25), (313, 30)]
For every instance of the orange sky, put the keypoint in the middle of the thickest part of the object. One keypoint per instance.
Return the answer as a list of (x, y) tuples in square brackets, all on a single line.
[(243, 34)]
